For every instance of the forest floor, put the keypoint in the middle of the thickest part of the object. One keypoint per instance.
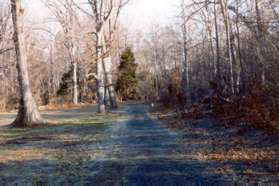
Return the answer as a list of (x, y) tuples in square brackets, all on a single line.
[(129, 147), (240, 151)]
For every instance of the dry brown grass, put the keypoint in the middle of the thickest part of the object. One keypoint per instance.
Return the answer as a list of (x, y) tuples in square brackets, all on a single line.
[(252, 154), (62, 106), (24, 154)]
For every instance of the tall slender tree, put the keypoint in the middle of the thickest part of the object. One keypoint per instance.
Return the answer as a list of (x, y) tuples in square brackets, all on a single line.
[(225, 13), (217, 43), (186, 65)]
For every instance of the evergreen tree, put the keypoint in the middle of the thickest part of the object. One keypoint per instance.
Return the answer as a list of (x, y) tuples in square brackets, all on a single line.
[(126, 85), (66, 84)]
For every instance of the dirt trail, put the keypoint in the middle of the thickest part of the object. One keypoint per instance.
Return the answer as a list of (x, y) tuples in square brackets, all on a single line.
[(126, 148)]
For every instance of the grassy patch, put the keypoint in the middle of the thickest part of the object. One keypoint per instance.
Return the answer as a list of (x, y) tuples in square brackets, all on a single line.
[(54, 140)]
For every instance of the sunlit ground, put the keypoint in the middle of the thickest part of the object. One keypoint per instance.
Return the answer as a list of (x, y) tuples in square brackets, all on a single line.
[(127, 147)]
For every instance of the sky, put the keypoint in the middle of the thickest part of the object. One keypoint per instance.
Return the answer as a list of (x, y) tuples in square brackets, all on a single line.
[(138, 14), (142, 13)]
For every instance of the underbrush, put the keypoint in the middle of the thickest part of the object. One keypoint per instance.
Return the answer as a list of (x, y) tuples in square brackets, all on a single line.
[(224, 136), (258, 107)]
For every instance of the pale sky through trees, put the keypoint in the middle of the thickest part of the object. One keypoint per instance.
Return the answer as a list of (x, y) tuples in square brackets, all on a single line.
[(138, 15), (142, 13)]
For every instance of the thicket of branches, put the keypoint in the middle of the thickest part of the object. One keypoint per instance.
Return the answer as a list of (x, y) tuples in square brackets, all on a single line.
[(226, 49), (61, 52)]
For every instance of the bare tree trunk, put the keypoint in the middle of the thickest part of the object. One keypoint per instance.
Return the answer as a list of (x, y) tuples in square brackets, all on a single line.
[(100, 81), (186, 70), (109, 83), (28, 114), (213, 64), (224, 8), (75, 84), (74, 53), (261, 34), (108, 74), (157, 91), (240, 66), (218, 68), (51, 74)]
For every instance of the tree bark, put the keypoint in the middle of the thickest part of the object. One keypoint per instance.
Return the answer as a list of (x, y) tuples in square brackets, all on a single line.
[(51, 74), (73, 55), (28, 114), (238, 46), (261, 34), (186, 69), (224, 8), (217, 63), (109, 83), (75, 84), (100, 79), (107, 65)]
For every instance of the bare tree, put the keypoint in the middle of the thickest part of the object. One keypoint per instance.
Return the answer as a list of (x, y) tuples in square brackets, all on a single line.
[(105, 14), (186, 67), (225, 13), (66, 16), (217, 42), (27, 112)]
